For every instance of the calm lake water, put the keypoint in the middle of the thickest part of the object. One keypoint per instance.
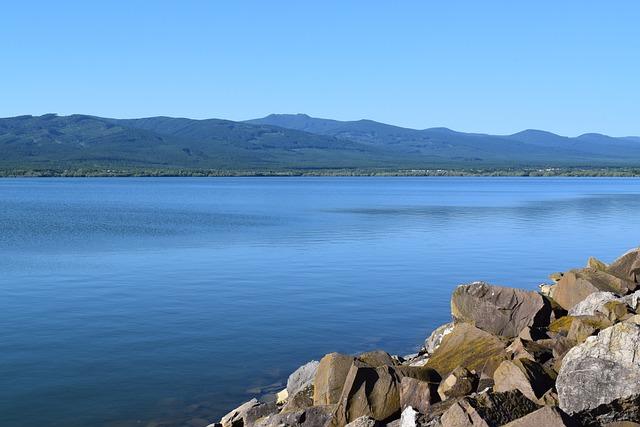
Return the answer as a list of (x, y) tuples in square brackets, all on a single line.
[(129, 300)]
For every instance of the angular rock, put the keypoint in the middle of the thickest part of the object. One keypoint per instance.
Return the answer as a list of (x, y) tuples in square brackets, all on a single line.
[(576, 285), (499, 310), (375, 391), (236, 418), (536, 351), (434, 340), (258, 411), (301, 400), (470, 348), (632, 300), (316, 416), (459, 383), (525, 375), (302, 377), (417, 394), (533, 334), (363, 422), (596, 264), (411, 418), (543, 417), (282, 396), (377, 358), (615, 311), (627, 267), (488, 409), (330, 376), (620, 412), (604, 368), (592, 304), (585, 326)]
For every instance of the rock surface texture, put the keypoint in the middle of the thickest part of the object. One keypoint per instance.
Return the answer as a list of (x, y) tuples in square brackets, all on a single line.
[(513, 358)]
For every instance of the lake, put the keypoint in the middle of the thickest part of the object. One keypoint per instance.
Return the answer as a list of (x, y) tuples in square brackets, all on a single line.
[(124, 301)]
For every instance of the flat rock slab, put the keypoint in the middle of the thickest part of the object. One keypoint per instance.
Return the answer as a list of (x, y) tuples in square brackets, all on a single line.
[(499, 310)]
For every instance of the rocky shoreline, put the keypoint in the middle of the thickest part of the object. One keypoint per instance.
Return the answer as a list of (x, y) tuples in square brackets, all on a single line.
[(568, 355)]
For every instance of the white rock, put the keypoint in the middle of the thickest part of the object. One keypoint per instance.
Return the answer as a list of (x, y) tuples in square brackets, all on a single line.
[(408, 417)]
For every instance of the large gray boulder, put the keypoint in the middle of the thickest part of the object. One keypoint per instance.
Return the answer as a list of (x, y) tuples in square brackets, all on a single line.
[(499, 310), (604, 368)]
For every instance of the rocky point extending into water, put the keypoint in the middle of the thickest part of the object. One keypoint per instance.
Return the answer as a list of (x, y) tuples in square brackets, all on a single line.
[(568, 355)]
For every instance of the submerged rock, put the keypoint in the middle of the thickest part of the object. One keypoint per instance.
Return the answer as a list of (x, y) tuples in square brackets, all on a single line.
[(604, 368)]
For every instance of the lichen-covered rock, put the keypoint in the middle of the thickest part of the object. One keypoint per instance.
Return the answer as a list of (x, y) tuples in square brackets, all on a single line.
[(525, 375), (592, 304), (585, 326), (302, 377), (499, 310), (470, 348), (434, 340), (576, 285), (330, 376), (458, 383), (627, 266), (604, 368), (543, 417), (488, 409)]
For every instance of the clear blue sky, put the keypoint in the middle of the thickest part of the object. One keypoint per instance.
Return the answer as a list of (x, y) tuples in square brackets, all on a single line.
[(486, 66)]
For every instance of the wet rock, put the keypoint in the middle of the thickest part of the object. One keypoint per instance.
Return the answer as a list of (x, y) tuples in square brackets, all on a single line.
[(543, 417), (488, 409), (434, 340), (499, 310), (330, 376), (627, 267), (470, 348), (459, 383), (525, 375), (417, 394), (602, 369), (302, 377), (576, 285)]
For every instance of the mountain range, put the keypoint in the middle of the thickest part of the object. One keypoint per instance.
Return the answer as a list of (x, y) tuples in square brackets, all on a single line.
[(288, 141)]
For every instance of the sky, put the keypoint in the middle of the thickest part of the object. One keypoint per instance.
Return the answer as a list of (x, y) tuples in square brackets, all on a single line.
[(570, 66)]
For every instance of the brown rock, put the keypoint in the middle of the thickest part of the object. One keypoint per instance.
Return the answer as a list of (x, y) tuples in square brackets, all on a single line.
[(585, 326), (576, 285), (488, 409), (536, 351), (302, 399), (376, 358), (459, 383), (470, 348), (596, 264), (525, 375), (499, 310), (615, 310), (543, 417), (417, 394), (627, 267), (330, 377)]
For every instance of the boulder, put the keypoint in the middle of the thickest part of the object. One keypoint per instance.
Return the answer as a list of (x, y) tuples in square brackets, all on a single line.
[(316, 416), (536, 351), (592, 304), (301, 400), (543, 417), (620, 413), (600, 370), (375, 391), (460, 382), (576, 285), (470, 348), (525, 375), (499, 310), (330, 376), (417, 394), (627, 267), (615, 311), (488, 409), (302, 377), (363, 422), (632, 300), (596, 264), (236, 418), (434, 340), (377, 358), (585, 326)]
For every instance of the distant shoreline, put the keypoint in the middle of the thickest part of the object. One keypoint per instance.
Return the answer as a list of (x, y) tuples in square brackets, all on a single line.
[(339, 172)]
